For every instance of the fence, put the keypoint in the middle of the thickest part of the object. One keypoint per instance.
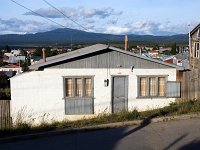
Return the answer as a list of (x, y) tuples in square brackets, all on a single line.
[(5, 117), (190, 88)]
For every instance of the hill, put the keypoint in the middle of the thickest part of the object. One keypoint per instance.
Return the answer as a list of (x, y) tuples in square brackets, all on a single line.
[(66, 35)]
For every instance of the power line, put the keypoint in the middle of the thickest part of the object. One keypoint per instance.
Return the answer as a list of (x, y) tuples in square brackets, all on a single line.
[(65, 15), (37, 13)]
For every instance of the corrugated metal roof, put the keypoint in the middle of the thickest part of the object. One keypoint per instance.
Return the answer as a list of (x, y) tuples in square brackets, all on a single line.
[(92, 49)]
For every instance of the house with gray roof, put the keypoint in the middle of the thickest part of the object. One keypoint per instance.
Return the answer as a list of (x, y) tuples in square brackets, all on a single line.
[(94, 80)]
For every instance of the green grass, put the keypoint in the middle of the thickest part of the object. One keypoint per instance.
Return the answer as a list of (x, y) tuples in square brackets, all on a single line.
[(191, 106)]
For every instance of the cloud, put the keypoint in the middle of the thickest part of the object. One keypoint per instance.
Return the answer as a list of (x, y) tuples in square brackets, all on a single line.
[(17, 26), (87, 17), (52, 13), (101, 13), (148, 28), (117, 30), (75, 12), (112, 21)]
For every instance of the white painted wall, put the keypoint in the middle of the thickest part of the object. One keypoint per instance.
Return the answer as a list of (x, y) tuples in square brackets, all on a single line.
[(41, 92)]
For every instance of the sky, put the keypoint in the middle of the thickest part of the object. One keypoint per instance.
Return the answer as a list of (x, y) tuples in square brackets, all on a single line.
[(143, 17)]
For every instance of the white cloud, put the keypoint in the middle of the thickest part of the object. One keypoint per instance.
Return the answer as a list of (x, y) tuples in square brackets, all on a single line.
[(101, 13), (75, 12), (148, 28), (112, 21), (117, 30), (16, 26)]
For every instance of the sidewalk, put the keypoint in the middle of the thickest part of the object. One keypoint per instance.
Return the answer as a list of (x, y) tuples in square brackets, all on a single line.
[(92, 128)]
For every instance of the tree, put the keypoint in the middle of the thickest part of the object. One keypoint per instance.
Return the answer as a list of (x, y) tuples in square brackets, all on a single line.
[(38, 52), (156, 47), (48, 52), (4, 87), (173, 49), (4, 82), (7, 48)]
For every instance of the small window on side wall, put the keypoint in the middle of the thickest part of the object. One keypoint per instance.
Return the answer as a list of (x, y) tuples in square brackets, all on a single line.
[(173, 89)]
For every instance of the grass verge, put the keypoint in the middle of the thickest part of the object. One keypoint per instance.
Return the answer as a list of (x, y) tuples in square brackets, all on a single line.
[(191, 106)]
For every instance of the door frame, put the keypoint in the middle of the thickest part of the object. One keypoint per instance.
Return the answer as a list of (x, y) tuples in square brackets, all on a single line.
[(112, 90)]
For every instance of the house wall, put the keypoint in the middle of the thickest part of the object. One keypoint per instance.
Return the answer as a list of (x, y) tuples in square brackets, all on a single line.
[(194, 54), (40, 93), (194, 39)]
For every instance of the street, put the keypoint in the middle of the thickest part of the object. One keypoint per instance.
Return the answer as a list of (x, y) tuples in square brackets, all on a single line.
[(182, 134)]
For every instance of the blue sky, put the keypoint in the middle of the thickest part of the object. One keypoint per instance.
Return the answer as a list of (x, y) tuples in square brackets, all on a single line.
[(152, 17)]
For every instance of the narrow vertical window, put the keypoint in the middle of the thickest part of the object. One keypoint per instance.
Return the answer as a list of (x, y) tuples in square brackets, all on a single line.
[(161, 86), (143, 83), (195, 49), (88, 87), (152, 86), (69, 87), (78, 89)]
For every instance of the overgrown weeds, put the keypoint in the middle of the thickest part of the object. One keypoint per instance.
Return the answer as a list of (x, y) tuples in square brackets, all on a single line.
[(22, 126)]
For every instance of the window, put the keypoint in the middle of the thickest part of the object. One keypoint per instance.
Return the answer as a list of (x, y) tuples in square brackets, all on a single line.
[(143, 83), (152, 86), (78, 95), (198, 34), (173, 89), (158, 86), (78, 87), (161, 86), (88, 87), (69, 87), (197, 49)]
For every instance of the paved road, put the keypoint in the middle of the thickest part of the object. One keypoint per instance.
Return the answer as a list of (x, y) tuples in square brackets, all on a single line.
[(183, 134)]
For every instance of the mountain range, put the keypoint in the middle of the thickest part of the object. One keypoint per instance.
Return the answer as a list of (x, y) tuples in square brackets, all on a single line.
[(67, 35)]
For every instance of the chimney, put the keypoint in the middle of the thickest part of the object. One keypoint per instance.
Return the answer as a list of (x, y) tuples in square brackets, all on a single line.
[(126, 43), (43, 55)]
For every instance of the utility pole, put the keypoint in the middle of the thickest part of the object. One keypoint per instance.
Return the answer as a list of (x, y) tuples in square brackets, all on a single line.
[(190, 48)]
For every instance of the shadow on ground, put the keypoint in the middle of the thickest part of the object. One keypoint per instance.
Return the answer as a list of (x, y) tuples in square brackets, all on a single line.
[(98, 140), (194, 145)]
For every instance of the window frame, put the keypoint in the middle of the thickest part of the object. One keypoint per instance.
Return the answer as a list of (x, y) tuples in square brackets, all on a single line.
[(148, 86), (74, 87), (196, 49)]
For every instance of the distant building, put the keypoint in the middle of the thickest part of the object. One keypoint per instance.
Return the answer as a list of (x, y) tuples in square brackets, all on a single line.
[(154, 53), (180, 59), (14, 56), (163, 50), (11, 69), (194, 43)]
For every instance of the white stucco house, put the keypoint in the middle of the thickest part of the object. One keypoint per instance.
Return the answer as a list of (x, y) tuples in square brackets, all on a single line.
[(93, 80)]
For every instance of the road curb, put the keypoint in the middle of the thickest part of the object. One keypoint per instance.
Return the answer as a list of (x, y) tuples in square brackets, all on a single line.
[(93, 128)]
